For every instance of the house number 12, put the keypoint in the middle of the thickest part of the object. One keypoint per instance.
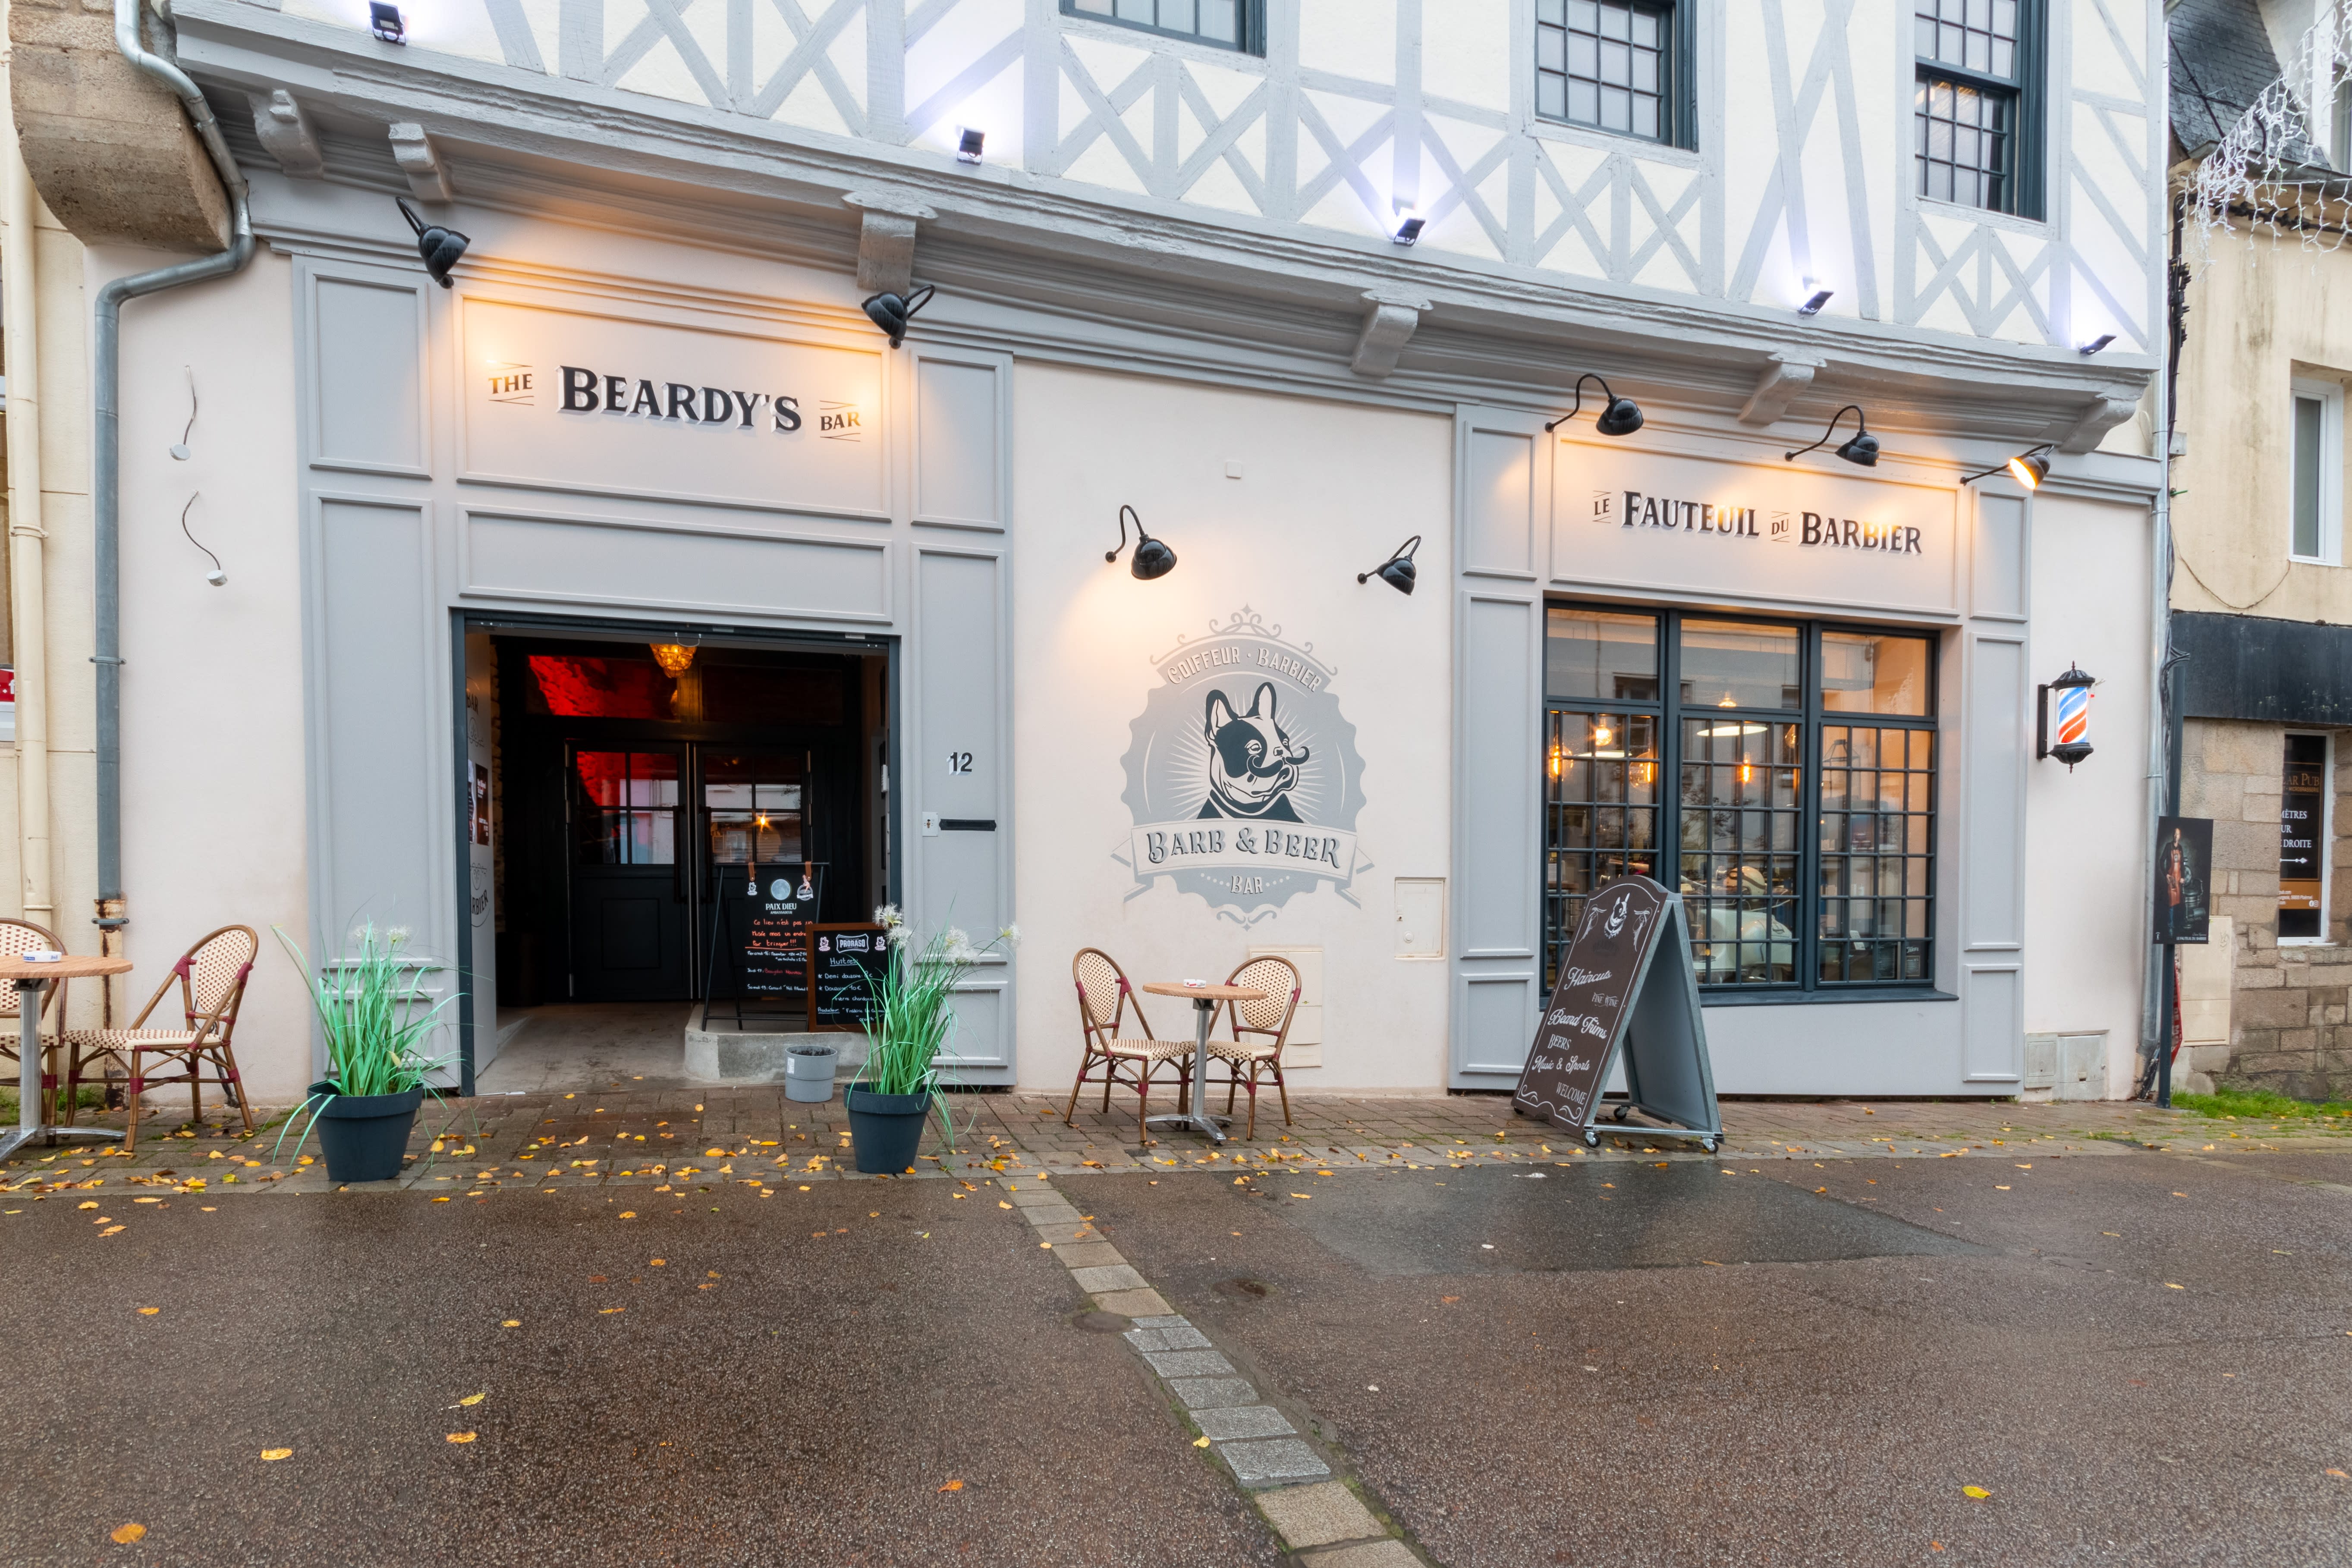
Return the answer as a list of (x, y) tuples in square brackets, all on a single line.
[(959, 762)]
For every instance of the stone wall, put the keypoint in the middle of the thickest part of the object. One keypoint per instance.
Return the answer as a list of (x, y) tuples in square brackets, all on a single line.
[(2287, 1013)]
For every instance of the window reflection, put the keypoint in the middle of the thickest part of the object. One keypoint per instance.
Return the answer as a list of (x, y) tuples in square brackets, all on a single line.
[(624, 808), (754, 805)]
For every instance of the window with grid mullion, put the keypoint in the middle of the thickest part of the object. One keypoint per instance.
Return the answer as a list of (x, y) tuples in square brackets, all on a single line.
[(1741, 795), (1606, 64), (1876, 854), (1228, 24), (1601, 805)]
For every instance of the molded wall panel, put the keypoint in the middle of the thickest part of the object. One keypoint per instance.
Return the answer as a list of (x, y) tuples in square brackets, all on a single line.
[(959, 442), (368, 375), (1993, 1036), (957, 696), (1499, 500), (1992, 794), (721, 572), (1997, 577)]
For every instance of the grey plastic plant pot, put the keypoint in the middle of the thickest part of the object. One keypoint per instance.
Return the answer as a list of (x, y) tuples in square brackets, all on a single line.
[(884, 1129), (363, 1136), (808, 1073)]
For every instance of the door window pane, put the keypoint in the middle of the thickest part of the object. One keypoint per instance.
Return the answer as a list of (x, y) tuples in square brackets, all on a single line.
[(1877, 800), (1742, 788), (1732, 664), (754, 805), (2303, 825), (1865, 672), (1601, 803), (1600, 654), (624, 808)]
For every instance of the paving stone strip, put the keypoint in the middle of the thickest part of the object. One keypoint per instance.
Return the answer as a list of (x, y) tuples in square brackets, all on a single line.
[(1317, 1516)]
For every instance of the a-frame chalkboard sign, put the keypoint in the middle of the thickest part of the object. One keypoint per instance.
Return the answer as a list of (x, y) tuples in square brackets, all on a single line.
[(1626, 989)]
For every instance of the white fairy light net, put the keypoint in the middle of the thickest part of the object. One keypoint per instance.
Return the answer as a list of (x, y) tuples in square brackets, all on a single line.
[(2269, 173)]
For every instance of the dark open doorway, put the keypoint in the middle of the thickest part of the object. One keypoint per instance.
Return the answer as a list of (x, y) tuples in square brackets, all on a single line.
[(628, 781)]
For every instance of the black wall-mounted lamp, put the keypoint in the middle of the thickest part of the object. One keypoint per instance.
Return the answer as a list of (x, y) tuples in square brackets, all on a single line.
[(1152, 558), (1861, 447), (2074, 689), (891, 312), (970, 139), (1621, 416), (1398, 571), (439, 247), (1405, 227), (1815, 301), (2096, 345), (2029, 468), (383, 21)]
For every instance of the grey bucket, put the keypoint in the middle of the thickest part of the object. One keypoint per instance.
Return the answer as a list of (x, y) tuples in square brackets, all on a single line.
[(808, 1072)]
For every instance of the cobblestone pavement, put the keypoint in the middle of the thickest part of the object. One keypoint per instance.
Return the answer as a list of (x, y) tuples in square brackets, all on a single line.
[(633, 1135)]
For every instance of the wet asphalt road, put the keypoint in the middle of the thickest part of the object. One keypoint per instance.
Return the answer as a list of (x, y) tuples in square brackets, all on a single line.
[(806, 1407), (1637, 1364)]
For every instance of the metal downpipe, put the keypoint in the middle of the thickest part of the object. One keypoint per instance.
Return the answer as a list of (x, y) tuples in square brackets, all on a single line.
[(106, 495)]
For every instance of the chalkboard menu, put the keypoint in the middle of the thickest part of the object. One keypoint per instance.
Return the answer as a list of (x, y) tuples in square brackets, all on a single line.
[(763, 918), (1580, 1028), (849, 962)]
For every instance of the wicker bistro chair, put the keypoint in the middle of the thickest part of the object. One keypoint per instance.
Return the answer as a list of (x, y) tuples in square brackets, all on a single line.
[(211, 976), (1268, 1020), (17, 939), (1104, 998)]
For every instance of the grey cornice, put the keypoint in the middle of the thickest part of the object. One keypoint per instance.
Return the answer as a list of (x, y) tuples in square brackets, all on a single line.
[(999, 231)]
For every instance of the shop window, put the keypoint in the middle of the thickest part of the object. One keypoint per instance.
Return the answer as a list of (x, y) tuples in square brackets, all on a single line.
[(1977, 104), (753, 804), (1226, 24), (2303, 823), (1763, 727), (1620, 66), (624, 808), (2316, 521)]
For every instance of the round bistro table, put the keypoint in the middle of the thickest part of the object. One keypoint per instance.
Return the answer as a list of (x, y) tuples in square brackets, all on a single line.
[(1206, 1000), (33, 982)]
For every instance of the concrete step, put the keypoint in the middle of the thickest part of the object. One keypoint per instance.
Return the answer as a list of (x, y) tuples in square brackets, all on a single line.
[(718, 1051)]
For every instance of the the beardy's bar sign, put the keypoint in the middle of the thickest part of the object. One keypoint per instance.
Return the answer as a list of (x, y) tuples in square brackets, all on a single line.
[(1244, 779)]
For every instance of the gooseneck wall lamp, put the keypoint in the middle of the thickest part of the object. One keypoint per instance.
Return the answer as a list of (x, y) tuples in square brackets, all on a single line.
[(1152, 558), (2073, 745), (1398, 571), (439, 247), (1861, 447), (891, 312), (1618, 417), (2029, 468)]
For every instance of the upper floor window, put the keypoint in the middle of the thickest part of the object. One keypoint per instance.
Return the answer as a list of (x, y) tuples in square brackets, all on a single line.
[(2316, 531), (1226, 24), (1977, 102), (1616, 65)]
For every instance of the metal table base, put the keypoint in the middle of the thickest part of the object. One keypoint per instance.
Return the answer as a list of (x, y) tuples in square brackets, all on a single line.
[(31, 1099), (1204, 1009)]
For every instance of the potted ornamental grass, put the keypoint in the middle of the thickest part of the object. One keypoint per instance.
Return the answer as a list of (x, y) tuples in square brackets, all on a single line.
[(372, 1010), (909, 1020)]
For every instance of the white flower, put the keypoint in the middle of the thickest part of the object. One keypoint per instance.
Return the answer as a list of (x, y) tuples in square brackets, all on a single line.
[(889, 915), (1010, 935), (396, 935)]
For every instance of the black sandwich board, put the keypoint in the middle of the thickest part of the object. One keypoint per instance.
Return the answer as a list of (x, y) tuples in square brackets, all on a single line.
[(1626, 992), (761, 917), (848, 962)]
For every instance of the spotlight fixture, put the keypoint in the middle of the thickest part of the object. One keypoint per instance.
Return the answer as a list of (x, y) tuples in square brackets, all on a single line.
[(1398, 571), (673, 656), (1861, 447), (1406, 226), (439, 247), (2073, 745), (1620, 416), (969, 141), (383, 21), (1812, 305), (1152, 558), (2029, 468), (891, 312), (2096, 345)]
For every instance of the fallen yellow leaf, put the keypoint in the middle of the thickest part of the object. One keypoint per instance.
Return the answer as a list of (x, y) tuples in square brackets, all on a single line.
[(628, 1214), (276, 1453), (2170, 1286), (473, 1399), (2340, 1475), (149, 1312), (1000, 1203), (953, 1487), (1302, 1195), (1046, 1245), (608, 1312), (1200, 1442), (461, 1436), (124, 1534), (1977, 1493), (511, 1323)]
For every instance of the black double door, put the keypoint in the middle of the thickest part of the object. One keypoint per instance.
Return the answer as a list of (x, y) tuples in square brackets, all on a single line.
[(652, 829)]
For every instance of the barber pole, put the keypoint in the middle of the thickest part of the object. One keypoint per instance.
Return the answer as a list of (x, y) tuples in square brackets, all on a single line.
[(2072, 744)]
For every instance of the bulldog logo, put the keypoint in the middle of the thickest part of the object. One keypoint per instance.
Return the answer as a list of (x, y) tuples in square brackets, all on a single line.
[(1252, 762)]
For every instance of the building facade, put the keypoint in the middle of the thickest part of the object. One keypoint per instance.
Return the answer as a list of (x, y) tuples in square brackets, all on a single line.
[(2261, 599), (633, 564)]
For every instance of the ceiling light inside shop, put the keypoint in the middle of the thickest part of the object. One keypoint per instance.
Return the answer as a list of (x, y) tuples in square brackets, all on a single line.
[(1733, 728), (1860, 449), (1618, 417), (970, 139), (673, 656), (1152, 558)]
